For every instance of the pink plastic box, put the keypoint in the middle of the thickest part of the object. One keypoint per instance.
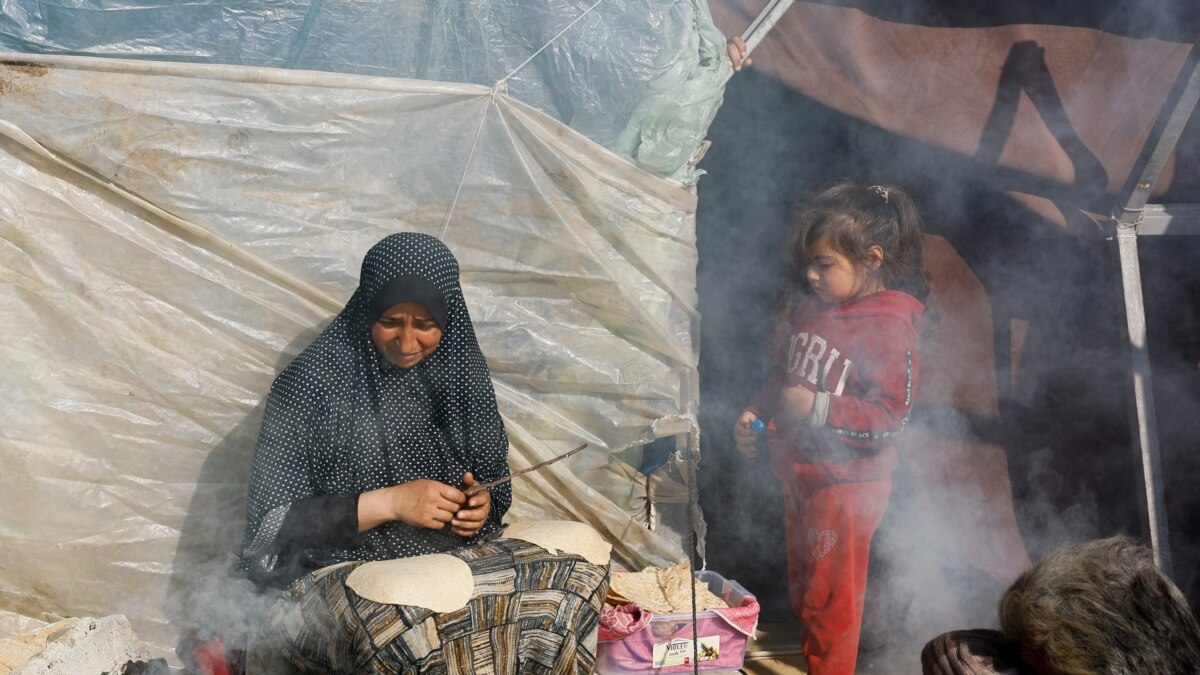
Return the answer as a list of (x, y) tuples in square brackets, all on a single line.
[(720, 640)]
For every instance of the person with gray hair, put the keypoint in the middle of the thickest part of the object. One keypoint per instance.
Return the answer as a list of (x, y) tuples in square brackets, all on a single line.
[(1097, 607)]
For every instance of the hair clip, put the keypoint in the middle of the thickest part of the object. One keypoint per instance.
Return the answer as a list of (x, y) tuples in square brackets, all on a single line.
[(881, 191)]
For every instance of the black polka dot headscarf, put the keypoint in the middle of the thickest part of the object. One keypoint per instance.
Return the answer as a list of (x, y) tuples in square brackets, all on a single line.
[(341, 419)]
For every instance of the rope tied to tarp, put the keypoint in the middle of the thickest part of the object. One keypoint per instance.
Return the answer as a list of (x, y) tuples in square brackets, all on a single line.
[(501, 87), (462, 179), (552, 41)]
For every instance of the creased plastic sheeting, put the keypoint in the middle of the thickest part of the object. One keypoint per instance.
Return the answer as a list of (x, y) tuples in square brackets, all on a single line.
[(171, 235), (643, 78)]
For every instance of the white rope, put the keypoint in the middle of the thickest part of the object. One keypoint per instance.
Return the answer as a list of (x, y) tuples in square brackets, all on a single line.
[(497, 88), (467, 165), (560, 34)]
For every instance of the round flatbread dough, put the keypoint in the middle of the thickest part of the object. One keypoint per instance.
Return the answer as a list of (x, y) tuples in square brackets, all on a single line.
[(563, 535), (437, 582)]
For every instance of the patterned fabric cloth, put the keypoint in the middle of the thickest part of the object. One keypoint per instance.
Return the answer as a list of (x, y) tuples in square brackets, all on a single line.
[(342, 420), (531, 611), (622, 621)]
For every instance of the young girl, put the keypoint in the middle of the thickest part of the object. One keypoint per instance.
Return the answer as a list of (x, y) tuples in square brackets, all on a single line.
[(841, 391)]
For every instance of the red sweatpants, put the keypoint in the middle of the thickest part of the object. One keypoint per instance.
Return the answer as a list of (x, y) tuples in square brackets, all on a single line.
[(829, 531)]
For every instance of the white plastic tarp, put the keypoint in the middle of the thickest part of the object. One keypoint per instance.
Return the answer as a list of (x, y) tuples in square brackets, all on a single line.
[(641, 77), (172, 234)]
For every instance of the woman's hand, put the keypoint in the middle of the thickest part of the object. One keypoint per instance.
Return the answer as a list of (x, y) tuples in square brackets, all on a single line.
[(474, 513), (735, 49), (420, 503), (743, 435)]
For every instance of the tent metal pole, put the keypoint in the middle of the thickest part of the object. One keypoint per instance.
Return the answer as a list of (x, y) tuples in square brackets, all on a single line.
[(1145, 433), (763, 23), (1159, 145), (1161, 142)]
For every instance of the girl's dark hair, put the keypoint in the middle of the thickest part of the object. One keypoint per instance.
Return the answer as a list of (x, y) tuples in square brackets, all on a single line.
[(856, 217)]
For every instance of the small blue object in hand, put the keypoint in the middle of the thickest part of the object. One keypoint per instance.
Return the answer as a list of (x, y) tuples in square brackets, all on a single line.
[(759, 427)]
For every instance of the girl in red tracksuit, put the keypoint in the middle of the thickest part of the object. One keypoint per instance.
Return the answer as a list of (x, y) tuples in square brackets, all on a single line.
[(841, 391)]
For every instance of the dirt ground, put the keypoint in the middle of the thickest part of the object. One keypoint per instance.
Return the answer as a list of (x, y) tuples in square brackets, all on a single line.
[(775, 650)]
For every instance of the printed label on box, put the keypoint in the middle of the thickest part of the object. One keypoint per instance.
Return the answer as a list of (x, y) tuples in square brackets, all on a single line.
[(680, 652)]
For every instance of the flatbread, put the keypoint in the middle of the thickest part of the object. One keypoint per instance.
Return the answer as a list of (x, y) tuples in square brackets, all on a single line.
[(437, 582), (662, 591), (563, 535)]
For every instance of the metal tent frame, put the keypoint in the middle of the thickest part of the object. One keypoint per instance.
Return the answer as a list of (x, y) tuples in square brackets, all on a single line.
[(1131, 217)]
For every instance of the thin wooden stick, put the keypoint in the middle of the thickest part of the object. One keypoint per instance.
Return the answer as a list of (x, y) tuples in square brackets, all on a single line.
[(480, 487)]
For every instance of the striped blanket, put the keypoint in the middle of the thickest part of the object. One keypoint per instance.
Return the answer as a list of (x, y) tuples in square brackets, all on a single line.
[(530, 612)]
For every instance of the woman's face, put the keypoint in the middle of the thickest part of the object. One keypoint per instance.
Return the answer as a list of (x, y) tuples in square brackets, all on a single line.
[(405, 334)]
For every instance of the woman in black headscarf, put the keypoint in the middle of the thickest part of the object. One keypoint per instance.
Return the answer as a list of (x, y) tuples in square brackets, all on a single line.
[(374, 431)]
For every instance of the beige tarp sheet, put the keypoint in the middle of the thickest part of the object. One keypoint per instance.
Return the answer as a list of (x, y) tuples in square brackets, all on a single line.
[(171, 235), (1061, 111)]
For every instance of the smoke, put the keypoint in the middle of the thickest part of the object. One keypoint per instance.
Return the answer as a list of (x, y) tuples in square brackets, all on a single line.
[(1171, 285), (1061, 430), (207, 597)]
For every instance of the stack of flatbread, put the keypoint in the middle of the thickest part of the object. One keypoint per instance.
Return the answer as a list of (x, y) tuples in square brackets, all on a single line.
[(662, 590)]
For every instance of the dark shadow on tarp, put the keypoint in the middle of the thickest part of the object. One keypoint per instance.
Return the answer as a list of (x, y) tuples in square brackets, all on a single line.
[(1025, 70), (1170, 20)]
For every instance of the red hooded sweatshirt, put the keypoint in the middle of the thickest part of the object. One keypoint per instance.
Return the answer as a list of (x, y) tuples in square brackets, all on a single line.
[(860, 358)]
